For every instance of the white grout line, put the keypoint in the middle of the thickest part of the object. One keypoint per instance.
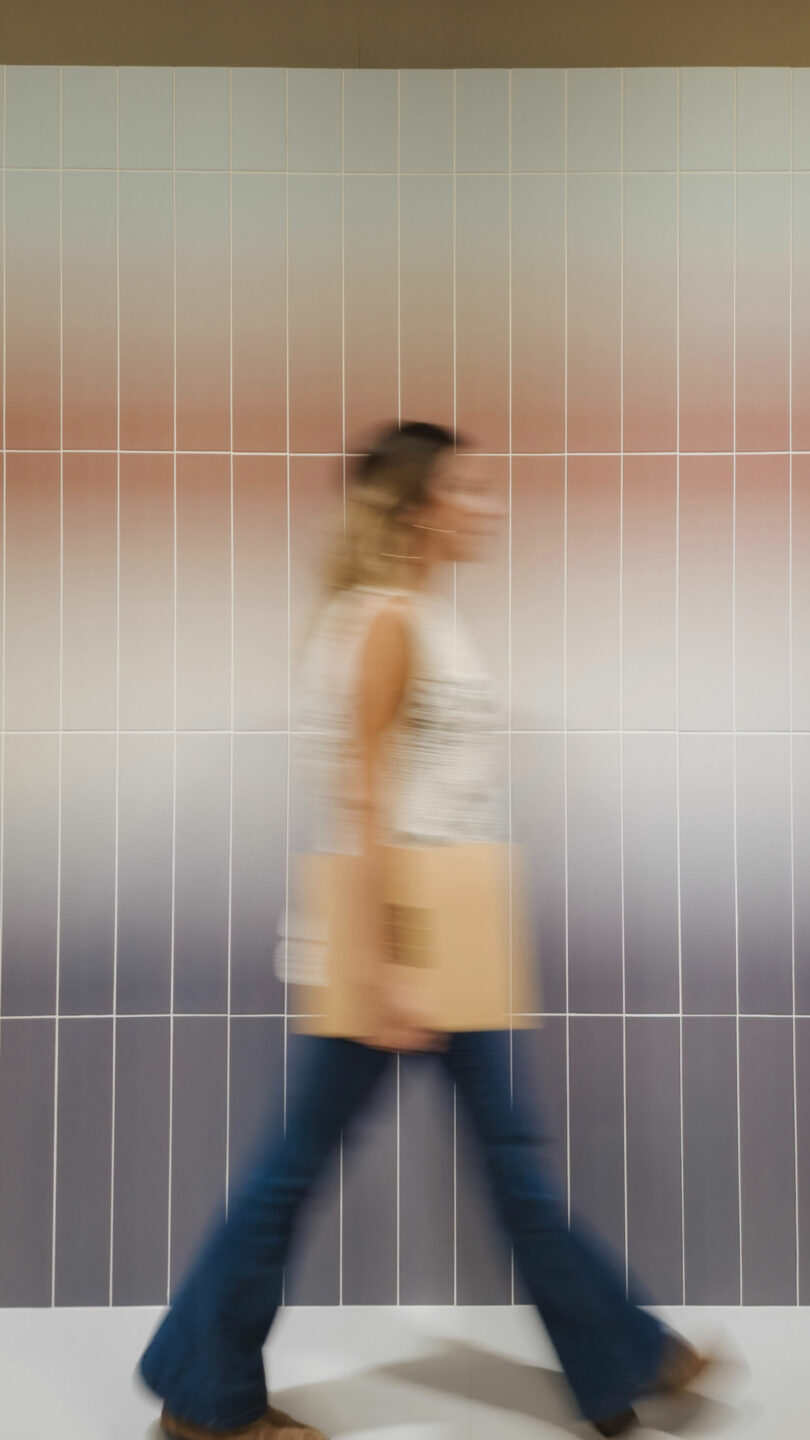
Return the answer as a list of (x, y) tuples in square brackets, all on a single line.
[(343, 475), (232, 638), (509, 315), (61, 714), (565, 672), (356, 454), (790, 709), (621, 688), (455, 621), (289, 592), (5, 528), (174, 687), (117, 679), (399, 422), (678, 877), (734, 683), (330, 174), (126, 1015)]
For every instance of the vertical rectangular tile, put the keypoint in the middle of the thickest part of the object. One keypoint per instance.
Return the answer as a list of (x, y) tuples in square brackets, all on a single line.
[(32, 116), (482, 590), (650, 118), (87, 898), (762, 516), (594, 874), (538, 825), (538, 592), (707, 874), (32, 592), (259, 313), (541, 1082), (90, 591), (483, 1256), (141, 1159), (370, 121), (201, 874), (370, 304), (538, 120), (764, 874), (803, 1157), (800, 317), (370, 1203), (31, 839), (594, 285), (201, 118), (203, 591), (800, 77), (706, 312), (707, 118), (650, 312), (88, 117), (260, 592), (83, 1162), (482, 120), (146, 625), (315, 301), (258, 118), (26, 1162), (426, 121), (259, 871), (146, 310), (482, 310), (538, 313), (594, 119), (767, 1162), (649, 539), (256, 1091), (597, 1127), (145, 789), (763, 312), (426, 297), (705, 593), (32, 310), (801, 868), (426, 1185), (800, 547), (202, 233), (198, 1156), (314, 106), (710, 1159), (763, 118), (592, 594), (316, 507), (654, 1158), (651, 873), (145, 117), (313, 1276)]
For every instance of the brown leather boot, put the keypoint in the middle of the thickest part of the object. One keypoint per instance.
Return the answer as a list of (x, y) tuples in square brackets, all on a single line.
[(680, 1367), (275, 1425)]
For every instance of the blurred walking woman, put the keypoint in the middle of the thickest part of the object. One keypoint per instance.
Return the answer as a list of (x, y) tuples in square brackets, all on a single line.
[(407, 712)]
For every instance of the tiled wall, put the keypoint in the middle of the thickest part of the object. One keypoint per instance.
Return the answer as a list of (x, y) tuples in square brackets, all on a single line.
[(213, 283)]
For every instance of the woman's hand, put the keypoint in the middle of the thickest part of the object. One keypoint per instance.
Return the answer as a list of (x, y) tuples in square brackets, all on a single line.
[(399, 1020)]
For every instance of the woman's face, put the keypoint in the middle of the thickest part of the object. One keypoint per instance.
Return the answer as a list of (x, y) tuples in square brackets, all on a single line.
[(463, 513)]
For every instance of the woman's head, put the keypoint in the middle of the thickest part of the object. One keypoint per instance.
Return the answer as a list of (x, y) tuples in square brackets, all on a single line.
[(410, 505)]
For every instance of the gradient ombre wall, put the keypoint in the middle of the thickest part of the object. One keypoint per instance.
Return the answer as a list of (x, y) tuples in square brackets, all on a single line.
[(213, 282)]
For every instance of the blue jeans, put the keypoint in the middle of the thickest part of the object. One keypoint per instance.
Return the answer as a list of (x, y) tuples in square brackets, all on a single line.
[(205, 1361)]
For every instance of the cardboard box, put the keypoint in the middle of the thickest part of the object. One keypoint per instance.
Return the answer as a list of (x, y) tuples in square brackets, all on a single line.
[(457, 928)]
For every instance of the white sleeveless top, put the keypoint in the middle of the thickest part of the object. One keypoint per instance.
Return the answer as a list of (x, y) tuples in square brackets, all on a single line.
[(442, 772)]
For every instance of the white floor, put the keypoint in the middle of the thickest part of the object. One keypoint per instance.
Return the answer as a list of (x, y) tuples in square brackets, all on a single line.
[(408, 1374)]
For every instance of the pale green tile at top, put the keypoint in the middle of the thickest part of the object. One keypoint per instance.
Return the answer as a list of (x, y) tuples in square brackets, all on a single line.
[(538, 120), (707, 119), (258, 119), (482, 120), (32, 116), (201, 119), (650, 119), (88, 117), (594, 119), (763, 119), (314, 120), (426, 121), (801, 119), (370, 120), (145, 118)]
